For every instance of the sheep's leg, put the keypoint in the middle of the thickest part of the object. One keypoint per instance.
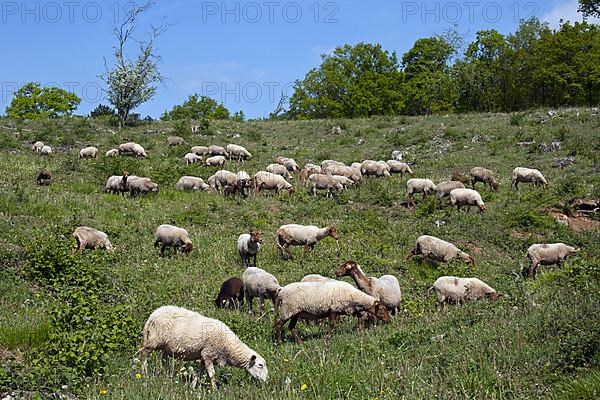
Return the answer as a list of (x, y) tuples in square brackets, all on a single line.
[(360, 325), (261, 303), (278, 328), (162, 250), (293, 322), (250, 300), (254, 257), (331, 326), (210, 369)]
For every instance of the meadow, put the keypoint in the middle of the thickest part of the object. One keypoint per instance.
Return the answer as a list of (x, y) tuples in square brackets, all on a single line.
[(71, 325)]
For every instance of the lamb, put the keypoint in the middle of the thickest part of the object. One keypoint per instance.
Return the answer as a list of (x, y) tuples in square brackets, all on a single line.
[(343, 170), (466, 197), (318, 300), (268, 181), (46, 150), (90, 238), (112, 153), (457, 176), (324, 182), (259, 283), (443, 189), (397, 167), (187, 335), (248, 246), (547, 254), (191, 158), (191, 183), (480, 174), (415, 185), (132, 149), (238, 152), (439, 250), (232, 291), (44, 177), (450, 289), (88, 152), (136, 185), (199, 150), (173, 236), (289, 163), (214, 150), (386, 288), (374, 168), (175, 141), (279, 169), (37, 147), (302, 235), (529, 175), (215, 161)]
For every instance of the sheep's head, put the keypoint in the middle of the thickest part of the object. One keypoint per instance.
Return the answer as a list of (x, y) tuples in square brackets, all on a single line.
[(187, 248), (220, 302), (466, 258), (333, 232), (109, 247), (256, 236), (379, 310), (482, 208), (257, 367), (346, 268), (494, 183), (572, 251), (493, 295), (291, 190)]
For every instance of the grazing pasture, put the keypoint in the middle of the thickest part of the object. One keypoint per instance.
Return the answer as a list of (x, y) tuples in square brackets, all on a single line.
[(71, 324)]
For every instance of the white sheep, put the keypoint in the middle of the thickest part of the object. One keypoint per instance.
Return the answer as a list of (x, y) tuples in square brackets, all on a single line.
[(279, 169), (397, 155), (88, 152), (212, 182), (90, 238), (37, 147), (356, 165), (484, 175), (302, 235), (225, 178), (114, 185), (132, 149), (528, 175), (374, 168), (466, 197), (112, 153), (416, 185), (192, 158), (191, 183), (443, 189), (259, 283), (385, 288), (173, 236), (175, 141), (248, 246), (547, 254), (187, 335), (439, 250), (46, 150), (215, 161), (264, 180), (199, 150), (324, 182), (397, 167), (238, 152), (288, 163), (317, 300), (327, 163), (140, 185), (214, 150), (317, 278), (343, 170), (450, 289)]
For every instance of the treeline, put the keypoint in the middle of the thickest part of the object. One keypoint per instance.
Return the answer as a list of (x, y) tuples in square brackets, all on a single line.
[(534, 66)]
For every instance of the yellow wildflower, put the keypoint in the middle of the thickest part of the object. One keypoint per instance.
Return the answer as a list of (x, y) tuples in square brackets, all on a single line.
[(103, 392), (138, 376), (304, 387)]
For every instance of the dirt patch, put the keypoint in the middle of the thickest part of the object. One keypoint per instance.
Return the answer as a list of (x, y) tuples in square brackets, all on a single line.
[(583, 224)]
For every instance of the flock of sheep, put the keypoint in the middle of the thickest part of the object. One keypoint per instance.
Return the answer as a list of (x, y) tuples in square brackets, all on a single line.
[(187, 335)]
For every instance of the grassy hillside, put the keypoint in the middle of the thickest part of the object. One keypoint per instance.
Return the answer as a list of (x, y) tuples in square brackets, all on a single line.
[(77, 320)]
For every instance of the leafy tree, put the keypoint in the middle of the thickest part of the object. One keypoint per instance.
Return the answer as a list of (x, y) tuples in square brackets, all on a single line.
[(32, 101), (354, 81), (131, 82), (102, 111), (589, 8), (197, 107)]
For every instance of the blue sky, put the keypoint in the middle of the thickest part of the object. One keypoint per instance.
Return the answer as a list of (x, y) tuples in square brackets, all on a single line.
[(240, 53)]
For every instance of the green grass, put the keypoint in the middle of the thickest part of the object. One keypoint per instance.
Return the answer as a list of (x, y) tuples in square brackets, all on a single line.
[(538, 341)]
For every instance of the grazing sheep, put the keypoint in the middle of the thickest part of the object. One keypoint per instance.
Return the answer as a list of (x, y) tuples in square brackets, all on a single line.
[(317, 278), (238, 152), (528, 175), (279, 169), (175, 141), (232, 291), (466, 197), (457, 176), (132, 149), (191, 183), (386, 288), (37, 147), (215, 161), (397, 167), (480, 174), (248, 246), (172, 236), (199, 150), (356, 165), (439, 250), (302, 235), (547, 254), (327, 163), (416, 185), (450, 289), (112, 153), (305, 173), (190, 336), (374, 168), (343, 170), (44, 177), (191, 158), (443, 189), (289, 163), (342, 180), (90, 238), (324, 182), (113, 184), (397, 155), (46, 150), (225, 178), (318, 300), (88, 152), (313, 167), (212, 182), (214, 150), (139, 185), (244, 182), (267, 181), (259, 283)]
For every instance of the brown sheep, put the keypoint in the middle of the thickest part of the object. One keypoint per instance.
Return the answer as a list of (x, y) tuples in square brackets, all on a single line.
[(44, 177), (232, 291)]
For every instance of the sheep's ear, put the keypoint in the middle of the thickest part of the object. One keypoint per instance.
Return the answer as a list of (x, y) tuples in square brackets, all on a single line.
[(252, 361)]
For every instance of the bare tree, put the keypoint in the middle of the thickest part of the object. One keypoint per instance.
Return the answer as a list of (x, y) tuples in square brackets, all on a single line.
[(131, 81)]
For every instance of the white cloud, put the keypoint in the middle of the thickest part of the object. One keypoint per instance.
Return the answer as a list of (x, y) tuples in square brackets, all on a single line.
[(567, 11)]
